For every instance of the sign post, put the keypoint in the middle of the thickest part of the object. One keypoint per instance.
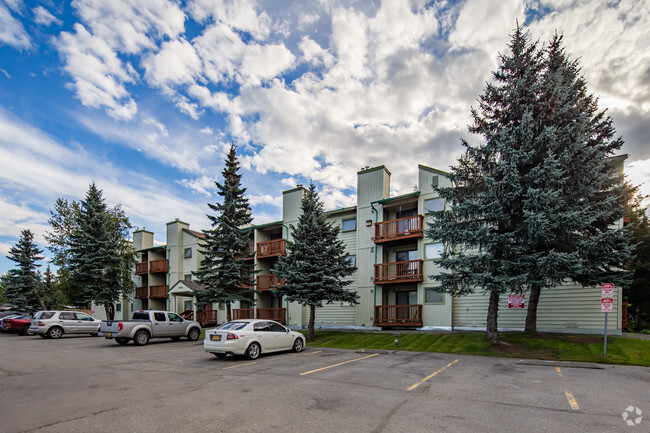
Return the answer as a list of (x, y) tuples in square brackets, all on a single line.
[(606, 306)]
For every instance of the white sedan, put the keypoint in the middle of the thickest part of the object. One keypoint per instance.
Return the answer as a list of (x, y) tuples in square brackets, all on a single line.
[(251, 338)]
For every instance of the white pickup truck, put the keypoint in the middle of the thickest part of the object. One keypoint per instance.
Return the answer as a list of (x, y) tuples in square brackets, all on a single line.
[(147, 324)]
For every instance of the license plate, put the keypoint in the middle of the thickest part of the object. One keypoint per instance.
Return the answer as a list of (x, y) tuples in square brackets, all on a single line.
[(109, 334), (215, 337)]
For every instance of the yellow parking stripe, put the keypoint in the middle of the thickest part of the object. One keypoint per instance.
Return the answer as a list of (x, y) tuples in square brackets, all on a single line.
[(559, 372), (336, 365), (312, 353), (412, 387), (572, 401), (239, 365)]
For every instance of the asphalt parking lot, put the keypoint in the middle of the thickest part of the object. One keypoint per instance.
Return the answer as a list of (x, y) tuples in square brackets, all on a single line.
[(89, 384)]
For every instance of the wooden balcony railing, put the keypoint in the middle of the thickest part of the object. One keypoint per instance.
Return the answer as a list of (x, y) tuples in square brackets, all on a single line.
[(251, 252), (159, 291), (160, 265), (248, 285), (242, 313), (141, 268), (398, 315), (206, 317), (274, 248), (141, 293), (398, 229), (277, 314), (267, 282), (399, 272)]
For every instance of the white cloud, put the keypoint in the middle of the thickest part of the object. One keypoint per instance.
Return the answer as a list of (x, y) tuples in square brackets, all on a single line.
[(12, 31), (255, 200), (241, 15), (43, 17), (176, 63)]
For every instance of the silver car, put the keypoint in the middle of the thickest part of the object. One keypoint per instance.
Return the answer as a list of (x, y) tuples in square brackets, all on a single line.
[(53, 324)]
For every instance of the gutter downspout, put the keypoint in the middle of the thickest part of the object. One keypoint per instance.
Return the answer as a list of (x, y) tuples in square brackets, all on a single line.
[(287, 310)]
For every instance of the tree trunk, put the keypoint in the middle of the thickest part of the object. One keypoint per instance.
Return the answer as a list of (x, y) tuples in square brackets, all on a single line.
[(310, 327), (40, 301), (491, 331), (228, 312), (531, 316), (109, 308)]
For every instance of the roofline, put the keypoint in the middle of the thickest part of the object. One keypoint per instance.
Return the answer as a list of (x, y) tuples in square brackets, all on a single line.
[(411, 194), (369, 169), (158, 247), (434, 170), (340, 210), (262, 225)]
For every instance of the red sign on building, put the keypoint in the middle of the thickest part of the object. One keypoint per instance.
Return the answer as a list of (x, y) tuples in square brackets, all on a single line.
[(515, 301)]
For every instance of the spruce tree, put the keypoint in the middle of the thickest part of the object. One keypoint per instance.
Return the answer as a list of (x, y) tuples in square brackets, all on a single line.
[(533, 206), (100, 259), (485, 198), (316, 266), (23, 285), (638, 292), (223, 270)]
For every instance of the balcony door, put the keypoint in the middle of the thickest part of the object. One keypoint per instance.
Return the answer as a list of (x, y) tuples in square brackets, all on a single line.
[(404, 226)]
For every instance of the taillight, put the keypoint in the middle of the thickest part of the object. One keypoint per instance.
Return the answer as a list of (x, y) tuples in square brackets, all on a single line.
[(41, 324), (232, 336), (120, 326)]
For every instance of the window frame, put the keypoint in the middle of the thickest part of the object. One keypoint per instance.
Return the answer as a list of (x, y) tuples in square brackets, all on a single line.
[(443, 301), (185, 253), (343, 229), (426, 256), (434, 199)]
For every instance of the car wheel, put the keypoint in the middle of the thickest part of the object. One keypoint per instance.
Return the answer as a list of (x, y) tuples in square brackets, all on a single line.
[(122, 341), (193, 335), (298, 345), (253, 351), (176, 338), (26, 330), (141, 338), (55, 332)]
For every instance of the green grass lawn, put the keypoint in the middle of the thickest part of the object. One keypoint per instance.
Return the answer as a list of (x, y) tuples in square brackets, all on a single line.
[(560, 347)]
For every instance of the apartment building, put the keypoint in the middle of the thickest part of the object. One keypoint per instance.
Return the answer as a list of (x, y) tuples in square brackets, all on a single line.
[(384, 237)]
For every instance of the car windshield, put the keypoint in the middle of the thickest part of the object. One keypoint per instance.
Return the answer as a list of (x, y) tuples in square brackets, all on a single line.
[(234, 326)]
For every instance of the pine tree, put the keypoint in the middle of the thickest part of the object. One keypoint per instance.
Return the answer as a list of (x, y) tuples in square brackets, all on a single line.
[(533, 206), (485, 198), (223, 270), (638, 292), (100, 259), (316, 266), (23, 285)]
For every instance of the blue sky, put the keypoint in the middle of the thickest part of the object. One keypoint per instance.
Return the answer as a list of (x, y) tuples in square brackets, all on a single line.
[(144, 97)]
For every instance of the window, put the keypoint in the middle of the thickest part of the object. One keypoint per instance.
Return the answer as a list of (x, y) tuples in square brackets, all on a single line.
[(434, 251), (159, 317), (434, 204), (435, 181), (66, 315), (173, 317), (261, 327), (188, 305), (222, 305), (349, 225), (432, 296), (188, 253), (84, 316), (188, 277), (276, 327), (235, 326), (118, 307), (351, 260)]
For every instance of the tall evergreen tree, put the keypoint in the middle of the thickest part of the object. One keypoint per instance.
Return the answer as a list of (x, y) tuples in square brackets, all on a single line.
[(533, 205), (100, 259), (638, 292), (316, 265), (223, 270), (23, 285)]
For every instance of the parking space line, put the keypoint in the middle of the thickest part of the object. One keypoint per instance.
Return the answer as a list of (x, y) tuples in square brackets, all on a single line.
[(313, 353), (412, 387), (572, 401), (559, 372), (239, 365), (340, 363)]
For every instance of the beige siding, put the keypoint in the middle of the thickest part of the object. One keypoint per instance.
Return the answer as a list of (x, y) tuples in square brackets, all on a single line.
[(567, 308)]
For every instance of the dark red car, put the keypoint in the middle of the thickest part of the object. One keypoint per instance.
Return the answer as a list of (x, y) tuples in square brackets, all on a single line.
[(18, 325)]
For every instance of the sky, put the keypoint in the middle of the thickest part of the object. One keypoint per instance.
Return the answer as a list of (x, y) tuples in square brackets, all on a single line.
[(144, 97)]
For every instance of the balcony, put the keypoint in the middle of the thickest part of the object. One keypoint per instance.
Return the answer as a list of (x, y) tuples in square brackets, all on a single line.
[(248, 285), (399, 229), (267, 282), (156, 266), (277, 314), (206, 317), (141, 292), (399, 272), (158, 291), (398, 315), (251, 253), (274, 248), (141, 268), (242, 313)]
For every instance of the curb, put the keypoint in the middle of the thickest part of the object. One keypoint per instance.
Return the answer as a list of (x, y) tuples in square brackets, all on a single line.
[(566, 364)]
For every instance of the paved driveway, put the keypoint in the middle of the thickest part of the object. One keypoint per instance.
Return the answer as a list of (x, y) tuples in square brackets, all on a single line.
[(88, 384)]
